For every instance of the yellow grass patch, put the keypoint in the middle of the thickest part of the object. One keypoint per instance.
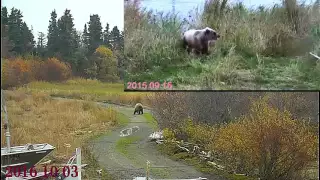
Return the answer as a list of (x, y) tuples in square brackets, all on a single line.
[(37, 118), (89, 90)]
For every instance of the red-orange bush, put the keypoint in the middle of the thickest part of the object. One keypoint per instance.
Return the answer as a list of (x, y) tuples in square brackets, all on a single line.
[(39, 70), (17, 72), (267, 142), (57, 70)]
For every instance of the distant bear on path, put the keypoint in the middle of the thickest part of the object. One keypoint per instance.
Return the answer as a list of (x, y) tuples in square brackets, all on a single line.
[(138, 109), (199, 40)]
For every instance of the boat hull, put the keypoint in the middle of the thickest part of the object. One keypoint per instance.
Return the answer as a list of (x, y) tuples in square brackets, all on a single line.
[(22, 156)]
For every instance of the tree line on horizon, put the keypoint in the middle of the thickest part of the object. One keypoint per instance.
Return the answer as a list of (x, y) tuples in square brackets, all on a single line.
[(87, 52)]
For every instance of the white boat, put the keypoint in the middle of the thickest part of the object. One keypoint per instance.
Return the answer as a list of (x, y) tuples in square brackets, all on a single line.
[(26, 156)]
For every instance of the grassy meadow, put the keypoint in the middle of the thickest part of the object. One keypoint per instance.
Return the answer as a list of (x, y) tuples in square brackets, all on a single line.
[(37, 118), (262, 48), (87, 89)]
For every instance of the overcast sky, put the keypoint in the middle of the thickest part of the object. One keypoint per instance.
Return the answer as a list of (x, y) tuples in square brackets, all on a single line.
[(184, 6), (36, 13)]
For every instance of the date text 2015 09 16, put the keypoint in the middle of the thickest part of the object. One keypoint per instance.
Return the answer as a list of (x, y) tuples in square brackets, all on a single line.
[(53, 171), (153, 85)]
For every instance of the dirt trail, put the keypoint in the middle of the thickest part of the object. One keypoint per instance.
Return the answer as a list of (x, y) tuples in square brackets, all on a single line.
[(126, 157)]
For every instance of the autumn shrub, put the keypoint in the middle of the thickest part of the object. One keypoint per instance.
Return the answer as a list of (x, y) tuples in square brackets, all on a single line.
[(168, 134), (170, 108), (267, 143), (39, 70), (199, 133), (18, 71), (104, 65), (15, 72), (57, 70)]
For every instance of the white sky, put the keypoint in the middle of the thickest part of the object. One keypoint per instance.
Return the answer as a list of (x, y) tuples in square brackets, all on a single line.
[(36, 13)]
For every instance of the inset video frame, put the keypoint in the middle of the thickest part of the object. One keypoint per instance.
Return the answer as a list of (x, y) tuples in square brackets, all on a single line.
[(261, 47)]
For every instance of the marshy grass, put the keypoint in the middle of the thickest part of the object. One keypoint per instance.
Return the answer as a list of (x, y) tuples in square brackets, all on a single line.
[(262, 48), (90, 90)]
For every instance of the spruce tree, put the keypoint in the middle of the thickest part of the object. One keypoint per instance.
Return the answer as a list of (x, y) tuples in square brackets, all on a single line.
[(6, 45), (94, 33), (53, 35), (115, 38), (106, 36), (68, 38), (85, 37), (19, 33), (41, 44)]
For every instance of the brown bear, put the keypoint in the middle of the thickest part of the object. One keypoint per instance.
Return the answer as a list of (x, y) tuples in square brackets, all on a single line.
[(138, 108), (199, 40)]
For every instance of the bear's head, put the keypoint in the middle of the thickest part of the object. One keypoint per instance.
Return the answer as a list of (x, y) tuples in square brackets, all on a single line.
[(211, 34)]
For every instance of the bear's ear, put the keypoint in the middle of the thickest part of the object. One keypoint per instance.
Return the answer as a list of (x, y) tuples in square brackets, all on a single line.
[(207, 31)]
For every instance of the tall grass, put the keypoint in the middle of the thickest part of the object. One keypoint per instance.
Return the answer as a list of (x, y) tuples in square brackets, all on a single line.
[(37, 118), (86, 89), (262, 48)]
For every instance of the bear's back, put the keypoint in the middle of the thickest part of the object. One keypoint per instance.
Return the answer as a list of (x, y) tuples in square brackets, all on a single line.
[(193, 36)]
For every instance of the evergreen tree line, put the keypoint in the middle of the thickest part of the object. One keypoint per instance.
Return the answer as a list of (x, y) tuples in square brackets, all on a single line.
[(63, 41)]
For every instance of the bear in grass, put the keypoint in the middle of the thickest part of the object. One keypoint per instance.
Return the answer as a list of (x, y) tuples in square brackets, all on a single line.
[(198, 40), (138, 108)]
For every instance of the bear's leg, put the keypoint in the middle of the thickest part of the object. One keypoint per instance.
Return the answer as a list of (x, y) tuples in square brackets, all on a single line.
[(184, 43), (142, 111), (197, 51), (205, 49), (189, 50)]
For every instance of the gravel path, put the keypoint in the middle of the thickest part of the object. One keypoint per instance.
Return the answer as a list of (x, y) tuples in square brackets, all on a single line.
[(132, 162)]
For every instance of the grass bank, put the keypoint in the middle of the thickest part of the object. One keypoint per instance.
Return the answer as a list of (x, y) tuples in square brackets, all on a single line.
[(261, 48), (151, 120)]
